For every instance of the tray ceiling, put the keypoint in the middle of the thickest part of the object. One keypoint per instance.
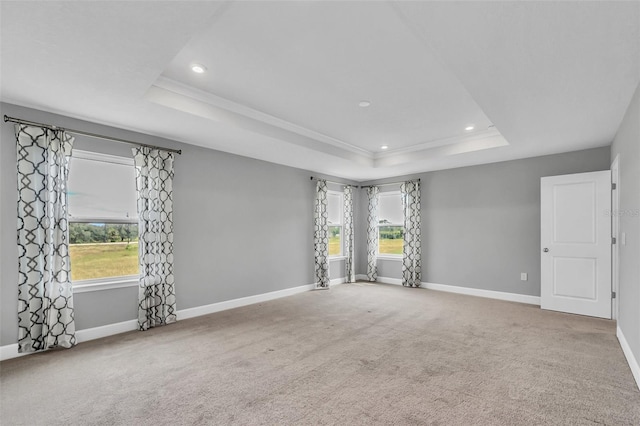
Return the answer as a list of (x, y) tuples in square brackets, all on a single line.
[(284, 80)]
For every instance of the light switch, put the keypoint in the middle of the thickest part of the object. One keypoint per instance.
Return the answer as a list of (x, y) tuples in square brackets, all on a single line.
[(523, 276), (623, 238)]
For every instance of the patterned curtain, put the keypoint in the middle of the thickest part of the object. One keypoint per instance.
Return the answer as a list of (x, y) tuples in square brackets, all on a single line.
[(372, 233), (349, 269), (321, 235), (154, 184), (411, 251), (45, 296)]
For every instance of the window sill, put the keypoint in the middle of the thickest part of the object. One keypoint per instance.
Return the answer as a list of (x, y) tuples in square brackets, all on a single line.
[(397, 258), (332, 258), (86, 286)]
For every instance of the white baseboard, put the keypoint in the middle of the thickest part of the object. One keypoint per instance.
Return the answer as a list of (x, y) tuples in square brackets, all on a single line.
[(249, 300), (491, 294), (243, 301), (337, 281), (631, 359), (387, 280), (106, 330), (384, 280), (332, 283), (10, 351)]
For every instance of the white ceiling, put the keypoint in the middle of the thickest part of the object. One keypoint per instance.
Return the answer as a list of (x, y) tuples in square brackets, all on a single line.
[(284, 79)]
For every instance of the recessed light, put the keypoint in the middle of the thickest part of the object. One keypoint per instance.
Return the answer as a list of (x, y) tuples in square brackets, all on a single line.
[(469, 128), (384, 147), (198, 68), (364, 104)]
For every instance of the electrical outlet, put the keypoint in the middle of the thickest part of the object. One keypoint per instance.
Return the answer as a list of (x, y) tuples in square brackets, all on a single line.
[(523, 276)]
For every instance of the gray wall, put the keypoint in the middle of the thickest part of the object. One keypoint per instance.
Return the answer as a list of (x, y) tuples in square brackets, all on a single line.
[(481, 224), (242, 227), (626, 145)]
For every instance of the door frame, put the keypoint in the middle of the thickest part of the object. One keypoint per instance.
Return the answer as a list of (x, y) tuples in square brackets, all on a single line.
[(615, 232)]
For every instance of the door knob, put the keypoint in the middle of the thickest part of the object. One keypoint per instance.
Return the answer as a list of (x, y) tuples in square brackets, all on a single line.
[(546, 250)]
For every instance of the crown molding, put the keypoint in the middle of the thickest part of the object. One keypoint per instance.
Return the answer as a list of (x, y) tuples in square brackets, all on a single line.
[(248, 112), (469, 137), (456, 146)]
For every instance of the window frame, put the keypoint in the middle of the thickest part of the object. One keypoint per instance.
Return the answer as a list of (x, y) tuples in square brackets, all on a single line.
[(340, 194), (388, 256), (104, 283)]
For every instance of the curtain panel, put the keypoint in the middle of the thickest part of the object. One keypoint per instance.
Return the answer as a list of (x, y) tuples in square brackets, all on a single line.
[(411, 251), (373, 193), (154, 186), (350, 273), (45, 296), (321, 235)]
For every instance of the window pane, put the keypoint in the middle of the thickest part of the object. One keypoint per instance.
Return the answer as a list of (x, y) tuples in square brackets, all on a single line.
[(334, 208), (335, 240), (390, 239), (101, 250), (390, 209), (101, 190)]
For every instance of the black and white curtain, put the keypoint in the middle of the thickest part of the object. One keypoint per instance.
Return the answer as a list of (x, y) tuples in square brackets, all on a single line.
[(154, 185), (411, 251), (349, 269), (373, 195), (45, 296), (321, 235)]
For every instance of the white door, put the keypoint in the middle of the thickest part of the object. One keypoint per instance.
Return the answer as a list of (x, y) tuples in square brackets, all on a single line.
[(576, 243)]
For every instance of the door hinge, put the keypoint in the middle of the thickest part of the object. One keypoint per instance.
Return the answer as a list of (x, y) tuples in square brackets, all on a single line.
[(613, 186), (613, 240), (613, 294)]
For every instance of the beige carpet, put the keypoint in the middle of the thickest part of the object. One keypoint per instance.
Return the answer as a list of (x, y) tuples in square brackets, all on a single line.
[(357, 354)]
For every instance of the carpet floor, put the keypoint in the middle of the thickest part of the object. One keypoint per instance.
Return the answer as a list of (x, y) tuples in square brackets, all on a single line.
[(358, 354)]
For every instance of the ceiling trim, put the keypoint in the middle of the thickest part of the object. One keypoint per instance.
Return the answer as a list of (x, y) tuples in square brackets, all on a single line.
[(456, 147), (214, 114), (475, 136), (226, 104)]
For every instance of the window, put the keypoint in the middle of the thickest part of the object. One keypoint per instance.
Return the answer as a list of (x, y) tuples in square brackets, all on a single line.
[(390, 224), (335, 202), (103, 224)]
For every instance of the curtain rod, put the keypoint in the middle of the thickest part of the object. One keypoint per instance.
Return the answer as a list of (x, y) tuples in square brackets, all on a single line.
[(337, 183), (92, 135), (390, 183)]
